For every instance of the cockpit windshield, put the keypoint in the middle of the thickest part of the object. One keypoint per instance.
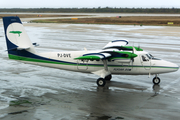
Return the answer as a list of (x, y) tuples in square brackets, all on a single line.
[(147, 57)]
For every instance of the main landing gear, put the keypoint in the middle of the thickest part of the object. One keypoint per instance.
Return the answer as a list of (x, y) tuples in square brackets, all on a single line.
[(102, 81), (105, 74), (156, 80)]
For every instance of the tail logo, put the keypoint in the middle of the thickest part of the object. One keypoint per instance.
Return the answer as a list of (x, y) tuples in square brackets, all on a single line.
[(16, 32)]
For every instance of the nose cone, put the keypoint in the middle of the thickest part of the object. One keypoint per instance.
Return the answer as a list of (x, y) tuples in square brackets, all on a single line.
[(171, 67), (175, 67), (164, 66)]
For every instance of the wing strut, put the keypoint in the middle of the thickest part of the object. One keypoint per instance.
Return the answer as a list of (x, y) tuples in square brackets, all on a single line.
[(103, 72), (105, 64)]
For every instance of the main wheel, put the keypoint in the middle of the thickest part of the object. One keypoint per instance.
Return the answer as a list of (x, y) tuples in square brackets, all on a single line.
[(108, 77), (156, 80), (101, 82)]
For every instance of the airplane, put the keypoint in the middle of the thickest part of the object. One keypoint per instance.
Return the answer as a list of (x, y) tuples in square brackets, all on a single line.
[(114, 58)]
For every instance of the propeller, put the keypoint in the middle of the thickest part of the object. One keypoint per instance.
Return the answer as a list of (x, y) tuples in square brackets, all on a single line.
[(133, 52), (132, 59)]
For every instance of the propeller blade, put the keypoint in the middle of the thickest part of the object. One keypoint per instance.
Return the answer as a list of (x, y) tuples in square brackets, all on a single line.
[(134, 50)]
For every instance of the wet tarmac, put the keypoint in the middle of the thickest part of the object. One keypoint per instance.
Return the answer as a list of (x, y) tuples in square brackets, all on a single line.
[(30, 92)]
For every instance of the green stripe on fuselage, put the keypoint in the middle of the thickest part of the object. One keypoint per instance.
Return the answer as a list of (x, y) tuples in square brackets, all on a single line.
[(36, 60), (15, 57)]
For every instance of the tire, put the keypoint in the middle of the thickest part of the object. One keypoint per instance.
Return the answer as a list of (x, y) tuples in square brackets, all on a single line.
[(101, 82), (108, 78), (156, 80)]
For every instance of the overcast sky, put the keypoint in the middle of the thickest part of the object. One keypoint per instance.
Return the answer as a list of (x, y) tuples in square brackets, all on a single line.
[(89, 3)]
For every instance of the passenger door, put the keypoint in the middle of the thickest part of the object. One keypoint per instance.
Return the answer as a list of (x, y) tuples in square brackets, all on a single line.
[(82, 64), (146, 62)]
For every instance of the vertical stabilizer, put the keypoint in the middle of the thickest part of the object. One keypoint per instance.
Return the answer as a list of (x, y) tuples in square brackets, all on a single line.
[(18, 42)]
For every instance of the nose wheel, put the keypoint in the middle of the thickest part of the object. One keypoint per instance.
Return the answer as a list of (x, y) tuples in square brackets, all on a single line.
[(156, 80)]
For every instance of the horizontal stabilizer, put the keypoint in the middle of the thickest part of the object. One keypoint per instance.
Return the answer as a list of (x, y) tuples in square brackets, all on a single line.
[(35, 44), (18, 48), (22, 48)]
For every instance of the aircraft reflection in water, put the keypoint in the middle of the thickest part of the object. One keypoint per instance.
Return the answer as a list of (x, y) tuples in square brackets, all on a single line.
[(156, 89), (115, 58)]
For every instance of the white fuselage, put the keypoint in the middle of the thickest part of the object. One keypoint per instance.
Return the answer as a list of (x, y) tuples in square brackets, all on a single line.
[(127, 67)]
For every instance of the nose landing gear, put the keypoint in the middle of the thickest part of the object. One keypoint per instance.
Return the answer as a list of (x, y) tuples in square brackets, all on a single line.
[(156, 80)]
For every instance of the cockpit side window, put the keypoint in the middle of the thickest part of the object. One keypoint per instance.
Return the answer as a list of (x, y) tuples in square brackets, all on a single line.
[(145, 58)]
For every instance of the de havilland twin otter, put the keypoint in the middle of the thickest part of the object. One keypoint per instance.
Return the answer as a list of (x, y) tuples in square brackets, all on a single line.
[(115, 58)]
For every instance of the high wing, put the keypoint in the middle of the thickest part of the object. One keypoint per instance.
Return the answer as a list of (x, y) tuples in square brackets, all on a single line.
[(120, 45), (113, 51), (116, 43), (109, 55)]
